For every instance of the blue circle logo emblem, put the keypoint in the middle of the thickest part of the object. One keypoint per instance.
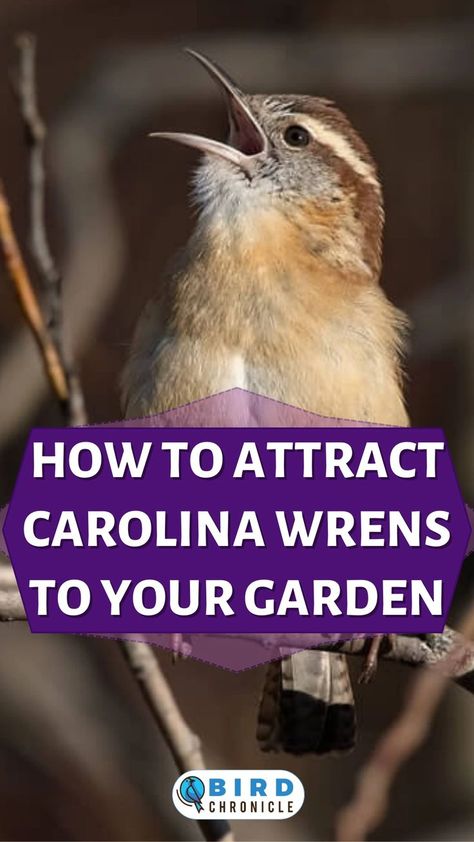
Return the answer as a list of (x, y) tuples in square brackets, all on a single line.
[(191, 791)]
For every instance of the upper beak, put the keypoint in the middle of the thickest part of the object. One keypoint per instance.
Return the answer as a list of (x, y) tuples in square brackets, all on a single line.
[(246, 138)]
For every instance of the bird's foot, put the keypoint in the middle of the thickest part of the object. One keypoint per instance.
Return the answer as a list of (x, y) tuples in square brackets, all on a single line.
[(181, 646), (372, 659)]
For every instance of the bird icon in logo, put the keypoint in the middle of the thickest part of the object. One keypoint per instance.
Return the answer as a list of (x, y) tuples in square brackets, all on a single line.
[(191, 791)]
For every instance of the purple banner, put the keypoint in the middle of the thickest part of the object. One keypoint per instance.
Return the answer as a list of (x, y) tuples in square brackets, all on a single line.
[(125, 530)]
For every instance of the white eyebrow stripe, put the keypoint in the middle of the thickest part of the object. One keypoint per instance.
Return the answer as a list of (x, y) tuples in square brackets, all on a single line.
[(341, 147)]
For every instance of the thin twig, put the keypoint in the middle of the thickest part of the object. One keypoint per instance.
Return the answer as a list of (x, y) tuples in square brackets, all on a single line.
[(29, 304), (35, 129), (371, 798), (183, 743)]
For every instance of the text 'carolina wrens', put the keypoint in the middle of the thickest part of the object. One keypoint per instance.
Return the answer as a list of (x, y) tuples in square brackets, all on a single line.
[(277, 292)]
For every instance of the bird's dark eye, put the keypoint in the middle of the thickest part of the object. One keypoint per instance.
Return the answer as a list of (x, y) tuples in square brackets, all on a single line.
[(296, 136)]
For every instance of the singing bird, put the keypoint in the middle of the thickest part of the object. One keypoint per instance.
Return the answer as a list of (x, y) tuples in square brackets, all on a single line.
[(277, 291)]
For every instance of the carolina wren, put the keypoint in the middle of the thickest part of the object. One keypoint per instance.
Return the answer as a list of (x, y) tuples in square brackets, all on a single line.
[(277, 291)]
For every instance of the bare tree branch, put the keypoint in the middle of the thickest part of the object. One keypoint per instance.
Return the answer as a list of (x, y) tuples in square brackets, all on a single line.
[(35, 129), (184, 745), (30, 307), (400, 741)]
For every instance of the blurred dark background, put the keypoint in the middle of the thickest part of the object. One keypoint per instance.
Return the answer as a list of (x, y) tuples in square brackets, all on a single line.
[(79, 756)]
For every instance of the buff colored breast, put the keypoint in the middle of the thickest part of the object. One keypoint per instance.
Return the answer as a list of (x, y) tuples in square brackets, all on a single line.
[(256, 310)]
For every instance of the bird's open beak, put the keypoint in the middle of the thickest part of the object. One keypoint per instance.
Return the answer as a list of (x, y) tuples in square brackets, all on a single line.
[(246, 138)]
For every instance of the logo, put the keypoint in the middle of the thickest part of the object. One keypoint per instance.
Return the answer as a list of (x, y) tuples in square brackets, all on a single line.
[(238, 794), (191, 790)]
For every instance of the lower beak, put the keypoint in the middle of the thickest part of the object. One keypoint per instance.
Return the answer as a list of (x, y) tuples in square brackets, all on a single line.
[(247, 141)]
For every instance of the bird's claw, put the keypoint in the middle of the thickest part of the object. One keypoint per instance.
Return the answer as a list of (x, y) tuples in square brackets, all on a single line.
[(181, 646), (371, 661)]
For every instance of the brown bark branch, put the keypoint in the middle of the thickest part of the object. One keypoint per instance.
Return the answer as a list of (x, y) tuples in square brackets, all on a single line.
[(183, 743), (29, 304), (51, 281)]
